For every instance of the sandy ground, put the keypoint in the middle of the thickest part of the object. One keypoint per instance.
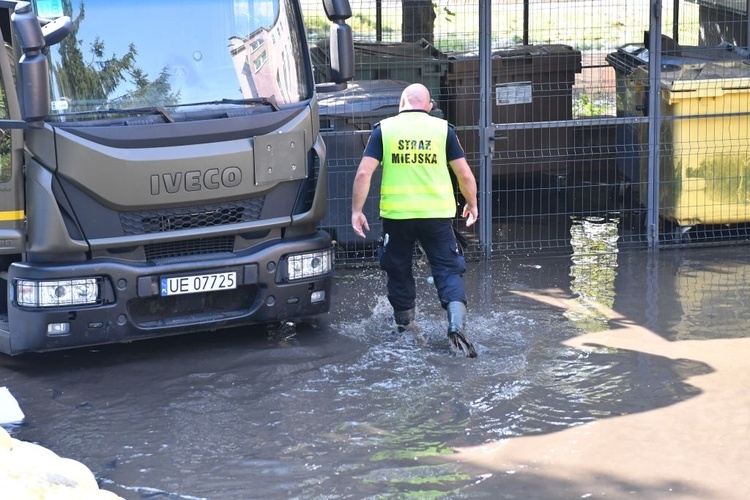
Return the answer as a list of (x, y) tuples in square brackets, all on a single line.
[(696, 448)]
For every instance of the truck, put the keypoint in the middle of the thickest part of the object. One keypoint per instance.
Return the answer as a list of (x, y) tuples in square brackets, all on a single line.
[(161, 168)]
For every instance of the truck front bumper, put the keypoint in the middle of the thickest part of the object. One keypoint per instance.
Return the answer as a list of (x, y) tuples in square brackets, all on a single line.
[(131, 304)]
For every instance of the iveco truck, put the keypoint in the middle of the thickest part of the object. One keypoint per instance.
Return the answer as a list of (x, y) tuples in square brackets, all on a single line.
[(161, 168)]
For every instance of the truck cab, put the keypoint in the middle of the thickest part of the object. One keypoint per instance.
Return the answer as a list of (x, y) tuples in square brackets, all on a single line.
[(161, 168)]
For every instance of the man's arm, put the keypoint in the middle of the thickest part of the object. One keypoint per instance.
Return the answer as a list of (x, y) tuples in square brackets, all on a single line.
[(467, 184), (360, 191)]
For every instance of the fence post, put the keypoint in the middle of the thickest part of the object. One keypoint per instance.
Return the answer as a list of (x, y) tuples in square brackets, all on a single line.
[(654, 124), (486, 132)]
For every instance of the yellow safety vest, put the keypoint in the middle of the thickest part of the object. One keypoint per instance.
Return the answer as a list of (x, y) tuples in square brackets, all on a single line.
[(416, 183)]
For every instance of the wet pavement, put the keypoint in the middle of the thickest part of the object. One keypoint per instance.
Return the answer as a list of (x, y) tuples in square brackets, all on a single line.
[(600, 376)]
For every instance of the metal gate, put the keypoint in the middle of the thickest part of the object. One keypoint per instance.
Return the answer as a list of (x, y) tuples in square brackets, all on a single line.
[(605, 123)]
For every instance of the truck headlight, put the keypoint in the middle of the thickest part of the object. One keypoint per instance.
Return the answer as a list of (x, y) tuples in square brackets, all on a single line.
[(309, 265), (57, 293)]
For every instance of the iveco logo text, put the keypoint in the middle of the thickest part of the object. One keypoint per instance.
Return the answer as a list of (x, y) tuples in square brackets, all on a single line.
[(195, 180)]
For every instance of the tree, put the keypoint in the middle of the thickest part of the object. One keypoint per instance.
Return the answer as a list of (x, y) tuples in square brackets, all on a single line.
[(95, 80), (417, 20)]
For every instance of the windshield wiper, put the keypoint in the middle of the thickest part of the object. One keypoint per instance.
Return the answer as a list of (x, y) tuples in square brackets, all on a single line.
[(159, 110), (268, 101)]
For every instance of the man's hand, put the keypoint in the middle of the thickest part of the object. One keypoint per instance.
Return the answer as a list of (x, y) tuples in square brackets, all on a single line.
[(471, 214), (359, 193), (359, 224), (467, 184)]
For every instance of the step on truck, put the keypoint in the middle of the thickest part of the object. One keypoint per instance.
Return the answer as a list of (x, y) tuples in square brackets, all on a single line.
[(161, 168)]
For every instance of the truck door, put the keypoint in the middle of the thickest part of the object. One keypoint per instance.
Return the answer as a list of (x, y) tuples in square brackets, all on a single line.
[(12, 213)]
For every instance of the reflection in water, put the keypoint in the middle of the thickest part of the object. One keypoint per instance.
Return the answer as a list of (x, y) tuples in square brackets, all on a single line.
[(687, 294), (593, 271), (714, 300)]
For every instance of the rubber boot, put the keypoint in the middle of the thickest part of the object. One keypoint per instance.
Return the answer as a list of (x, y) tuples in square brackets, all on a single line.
[(403, 318), (456, 318), (457, 329)]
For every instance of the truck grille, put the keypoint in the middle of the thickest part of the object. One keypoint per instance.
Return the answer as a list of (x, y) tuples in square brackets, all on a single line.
[(175, 219), (159, 312), (190, 248)]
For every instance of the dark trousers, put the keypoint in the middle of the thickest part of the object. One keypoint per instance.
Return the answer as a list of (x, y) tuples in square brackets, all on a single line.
[(443, 253)]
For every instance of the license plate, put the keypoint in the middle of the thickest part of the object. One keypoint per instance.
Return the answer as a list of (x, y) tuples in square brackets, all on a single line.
[(200, 283)]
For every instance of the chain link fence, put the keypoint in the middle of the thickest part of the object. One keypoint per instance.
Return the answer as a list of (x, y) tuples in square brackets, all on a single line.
[(554, 106)]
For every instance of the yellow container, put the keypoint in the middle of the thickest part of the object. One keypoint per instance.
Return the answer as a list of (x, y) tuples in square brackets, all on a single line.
[(705, 142)]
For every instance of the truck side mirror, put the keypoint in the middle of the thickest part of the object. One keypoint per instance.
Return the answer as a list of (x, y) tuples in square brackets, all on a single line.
[(342, 53), (55, 30), (33, 68), (337, 10), (341, 45)]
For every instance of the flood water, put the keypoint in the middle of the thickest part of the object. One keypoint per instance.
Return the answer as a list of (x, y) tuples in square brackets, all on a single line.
[(344, 407)]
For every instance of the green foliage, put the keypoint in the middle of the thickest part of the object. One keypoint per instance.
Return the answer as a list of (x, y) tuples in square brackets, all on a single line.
[(586, 106), (447, 14), (94, 76), (429, 450)]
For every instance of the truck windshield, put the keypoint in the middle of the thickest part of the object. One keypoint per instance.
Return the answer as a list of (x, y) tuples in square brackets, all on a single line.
[(146, 54)]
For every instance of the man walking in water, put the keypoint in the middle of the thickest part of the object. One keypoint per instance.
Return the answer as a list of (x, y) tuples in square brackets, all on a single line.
[(417, 203)]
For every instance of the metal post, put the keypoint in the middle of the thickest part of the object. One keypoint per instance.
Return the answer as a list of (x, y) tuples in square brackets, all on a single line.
[(486, 134), (379, 20), (525, 22), (654, 124)]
